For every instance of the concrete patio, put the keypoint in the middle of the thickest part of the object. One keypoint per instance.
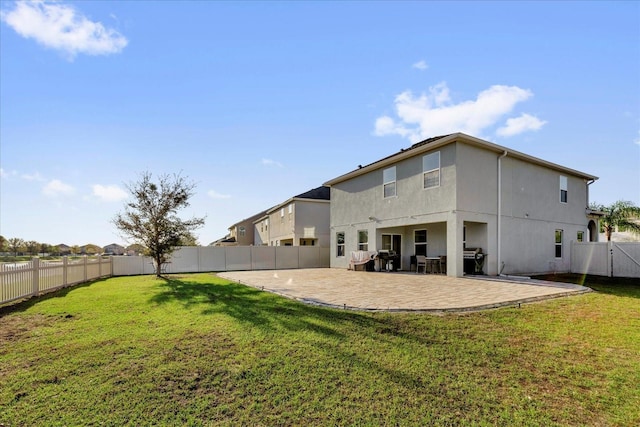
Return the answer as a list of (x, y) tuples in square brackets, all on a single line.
[(401, 291)]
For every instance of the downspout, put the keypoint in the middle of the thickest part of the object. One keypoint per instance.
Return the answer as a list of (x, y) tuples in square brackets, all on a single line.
[(499, 258)]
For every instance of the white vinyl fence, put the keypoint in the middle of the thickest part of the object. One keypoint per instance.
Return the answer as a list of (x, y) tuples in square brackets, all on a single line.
[(35, 277), (611, 259), (193, 259), (26, 279)]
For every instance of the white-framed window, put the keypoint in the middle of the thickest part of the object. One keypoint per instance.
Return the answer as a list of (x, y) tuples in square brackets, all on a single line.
[(580, 236), (420, 242), (389, 182), (363, 240), (559, 243), (340, 243), (563, 189), (431, 170), (241, 231)]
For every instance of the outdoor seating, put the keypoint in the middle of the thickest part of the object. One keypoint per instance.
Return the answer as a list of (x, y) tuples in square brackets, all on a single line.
[(421, 261), (362, 258), (443, 264)]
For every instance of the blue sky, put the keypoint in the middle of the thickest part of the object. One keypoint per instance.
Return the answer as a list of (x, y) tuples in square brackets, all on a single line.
[(259, 101)]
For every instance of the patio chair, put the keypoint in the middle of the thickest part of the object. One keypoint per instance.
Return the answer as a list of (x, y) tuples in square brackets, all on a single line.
[(421, 261), (443, 264)]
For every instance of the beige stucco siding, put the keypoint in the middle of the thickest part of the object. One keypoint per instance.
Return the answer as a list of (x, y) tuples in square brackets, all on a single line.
[(356, 200), (312, 221)]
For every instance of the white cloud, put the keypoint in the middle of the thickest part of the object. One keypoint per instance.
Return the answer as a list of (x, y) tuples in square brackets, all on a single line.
[(434, 113), (62, 27), (57, 188), (421, 65), (524, 123), (269, 162), (109, 193), (637, 141), (33, 177), (5, 174), (215, 195)]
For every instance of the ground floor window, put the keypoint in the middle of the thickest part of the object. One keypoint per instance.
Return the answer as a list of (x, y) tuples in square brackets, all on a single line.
[(420, 242), (340, 243), (580, 236), (363, 240), (558, 243)]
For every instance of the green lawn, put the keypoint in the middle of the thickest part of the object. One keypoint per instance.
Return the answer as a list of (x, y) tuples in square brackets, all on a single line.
[(199, 350)]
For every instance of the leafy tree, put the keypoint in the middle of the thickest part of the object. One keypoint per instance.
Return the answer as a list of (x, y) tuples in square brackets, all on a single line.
[(32, 247), (15, 245), (4, 245), (188, 240), (75, 249), (622, 215), (151, 218), (45, 248)]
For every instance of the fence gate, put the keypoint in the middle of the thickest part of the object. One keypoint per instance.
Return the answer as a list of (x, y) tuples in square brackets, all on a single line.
[(611, 259)]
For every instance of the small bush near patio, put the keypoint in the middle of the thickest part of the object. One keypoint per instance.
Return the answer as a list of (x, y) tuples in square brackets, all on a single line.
[(199, 350)]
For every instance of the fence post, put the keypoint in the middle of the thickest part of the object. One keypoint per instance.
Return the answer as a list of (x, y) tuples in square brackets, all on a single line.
[(35, 264), (65, 269), (84, 259), (99, 266), (610, 256)]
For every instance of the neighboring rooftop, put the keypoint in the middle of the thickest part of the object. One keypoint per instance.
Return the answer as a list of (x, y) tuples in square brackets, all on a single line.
[(320, 193)]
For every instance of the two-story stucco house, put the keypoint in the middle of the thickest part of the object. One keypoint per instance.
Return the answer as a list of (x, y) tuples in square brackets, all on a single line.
[(240, 233), (302, 220), (455, 192), (113, 249)]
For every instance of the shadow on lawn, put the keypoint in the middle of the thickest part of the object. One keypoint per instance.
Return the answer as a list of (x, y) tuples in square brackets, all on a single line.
[(253, 306), (22, 305)]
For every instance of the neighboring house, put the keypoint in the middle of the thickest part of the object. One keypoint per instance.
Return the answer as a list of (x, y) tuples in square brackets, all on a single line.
[(240, 233), (224, 241), (90, 249), (113, 249), (452, 193), (64, 249), (134, 249), (302, 220)]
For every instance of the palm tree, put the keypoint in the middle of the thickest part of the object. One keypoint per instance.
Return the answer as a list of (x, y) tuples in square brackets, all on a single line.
[(621, 215)]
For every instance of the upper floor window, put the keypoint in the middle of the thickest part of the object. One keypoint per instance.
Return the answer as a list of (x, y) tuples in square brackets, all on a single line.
[(340, 243), (431, 170), (563, 189), (241, 231), (389, 181), (363, 240)]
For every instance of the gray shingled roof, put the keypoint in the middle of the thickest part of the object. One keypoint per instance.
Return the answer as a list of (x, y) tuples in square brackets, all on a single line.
[(319, 193)]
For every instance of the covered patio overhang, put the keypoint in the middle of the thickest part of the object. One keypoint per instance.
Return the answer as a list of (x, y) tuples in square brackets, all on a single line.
[(436, 237)]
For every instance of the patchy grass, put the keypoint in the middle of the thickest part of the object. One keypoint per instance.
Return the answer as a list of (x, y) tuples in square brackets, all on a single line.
[(199, 350)]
